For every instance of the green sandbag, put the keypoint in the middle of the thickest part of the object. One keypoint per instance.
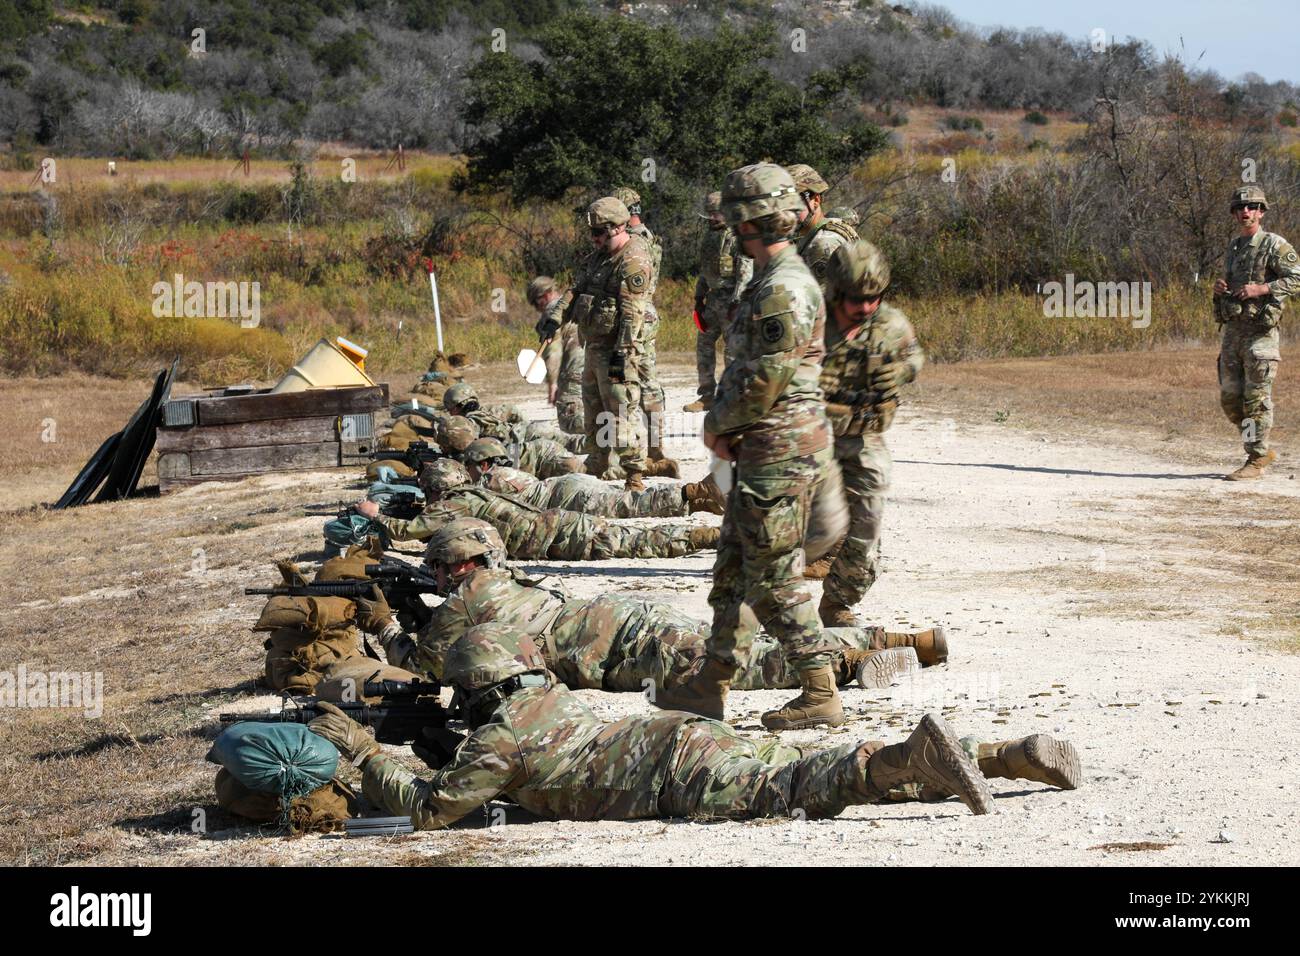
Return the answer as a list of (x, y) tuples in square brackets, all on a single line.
[(286, 759)]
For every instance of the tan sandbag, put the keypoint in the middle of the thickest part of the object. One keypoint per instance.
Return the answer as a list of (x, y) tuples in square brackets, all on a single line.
[(351, 566), (435, 390), (401, 468), (396, 441), (322, 810), (312, 614), (296, 660), (344, 680)]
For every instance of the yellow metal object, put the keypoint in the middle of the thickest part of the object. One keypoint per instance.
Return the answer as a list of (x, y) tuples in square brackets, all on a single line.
[(325, 366)]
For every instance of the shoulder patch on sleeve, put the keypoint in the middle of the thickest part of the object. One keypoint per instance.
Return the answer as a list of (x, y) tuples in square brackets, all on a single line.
[(775, 302)]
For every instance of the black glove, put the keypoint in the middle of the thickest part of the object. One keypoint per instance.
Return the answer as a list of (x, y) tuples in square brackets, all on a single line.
[(618, 368), (546, 329)]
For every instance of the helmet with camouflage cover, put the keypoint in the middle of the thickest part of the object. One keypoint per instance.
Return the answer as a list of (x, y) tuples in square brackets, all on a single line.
[(488, 654), (806, 179), (858, 269), (712, 205), (457, 433), (443, 475), (1248, 194), (459, 394), (845, 214), (538, 288), (607, 211), (762, 191), (629, 198), (485, 449), (464, 539)]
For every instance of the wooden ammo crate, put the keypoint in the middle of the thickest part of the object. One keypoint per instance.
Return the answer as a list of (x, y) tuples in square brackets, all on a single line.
[(225, 438)]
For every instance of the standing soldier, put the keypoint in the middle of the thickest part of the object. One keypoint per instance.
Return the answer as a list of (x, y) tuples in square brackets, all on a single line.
[(767, 416), (1260, 272), (724, 270), (871, 351), (818, 235), (652, 393), (562, 353)]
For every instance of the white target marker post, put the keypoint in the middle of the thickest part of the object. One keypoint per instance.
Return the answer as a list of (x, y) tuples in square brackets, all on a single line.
[(437, 312)]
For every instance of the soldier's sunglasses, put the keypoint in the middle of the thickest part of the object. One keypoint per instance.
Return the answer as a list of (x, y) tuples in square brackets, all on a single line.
[(1247, 205), (600, 233), (862, 299)]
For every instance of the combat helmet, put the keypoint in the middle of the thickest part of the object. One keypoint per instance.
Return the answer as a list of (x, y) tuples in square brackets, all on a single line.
[(1248, 194), (538, 288), (845, 214), (712, 205), (485, 449), (459, 394), (607, 211), (757, 191), (857, 269), (457, 433), (443, 475), (463, 539), (489, 663), (629, 198), (806, 179)]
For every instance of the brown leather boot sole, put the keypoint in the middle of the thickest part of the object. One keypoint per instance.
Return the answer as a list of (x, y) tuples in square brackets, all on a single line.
[(888, 667), (1056, 760), (936, 749)]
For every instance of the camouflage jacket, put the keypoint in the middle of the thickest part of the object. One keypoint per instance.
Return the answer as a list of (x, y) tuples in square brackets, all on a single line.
[(518, 484), (852, 356), (724, 269), (816, 246), (563, 355), (551, 755), (609, 298), (1263, 257), (656, 247), (770, 396), (502, 422)]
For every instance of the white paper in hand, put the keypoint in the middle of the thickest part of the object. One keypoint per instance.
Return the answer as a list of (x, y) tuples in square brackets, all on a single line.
[(720, 468), (531, 367)]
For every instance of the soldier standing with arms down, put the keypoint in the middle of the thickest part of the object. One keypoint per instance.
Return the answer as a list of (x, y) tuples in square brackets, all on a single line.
[(562, 353), (818, 236), (1261, 270), (607, 303), (871, 351), (768, 418), (724, 271)]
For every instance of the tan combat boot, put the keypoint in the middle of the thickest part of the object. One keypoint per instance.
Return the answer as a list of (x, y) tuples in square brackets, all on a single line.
[(1253, 468), (835, 614), (662, 468), (705, 496), (933, 758), (699, 405), (705, 539), (634, 482), (931, 646), (874, 670), (1039, 757), (818, 704), (705, 693), (818, 570)]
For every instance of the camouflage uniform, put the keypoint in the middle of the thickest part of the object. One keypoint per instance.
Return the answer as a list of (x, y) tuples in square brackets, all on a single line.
[(563, 358), (588, 495), (532, 533), (608, 303), (652, 393), (818, 244), (860, 449), (546, 751), (547, 459), (770, 403), (613, 642), (1249, 353), (724, 271)]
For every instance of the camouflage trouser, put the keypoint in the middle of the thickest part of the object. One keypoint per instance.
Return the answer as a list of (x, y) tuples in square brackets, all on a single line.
[(548, 459), (652, 393), (1248, 361), (610, 411), (761, 561), (866, 465), (717, 773), (581, 538), (619, 643), (574, 443), (568, 412), (591, 496), (713, 318)]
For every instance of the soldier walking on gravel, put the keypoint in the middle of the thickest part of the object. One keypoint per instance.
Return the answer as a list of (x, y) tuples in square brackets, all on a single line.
[(1260, 272)]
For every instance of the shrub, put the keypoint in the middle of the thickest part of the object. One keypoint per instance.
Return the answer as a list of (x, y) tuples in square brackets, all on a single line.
[(1035, 117)]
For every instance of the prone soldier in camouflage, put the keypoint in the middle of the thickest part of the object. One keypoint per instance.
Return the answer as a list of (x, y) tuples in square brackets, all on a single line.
[(607, 303), (562, 353), (1261, 271), (531, 532), (724, 271), (871, 352), (615, 642), (489, 464), (767, 417), (819, 236), (652, 393), (542, 457), (532, 741)]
